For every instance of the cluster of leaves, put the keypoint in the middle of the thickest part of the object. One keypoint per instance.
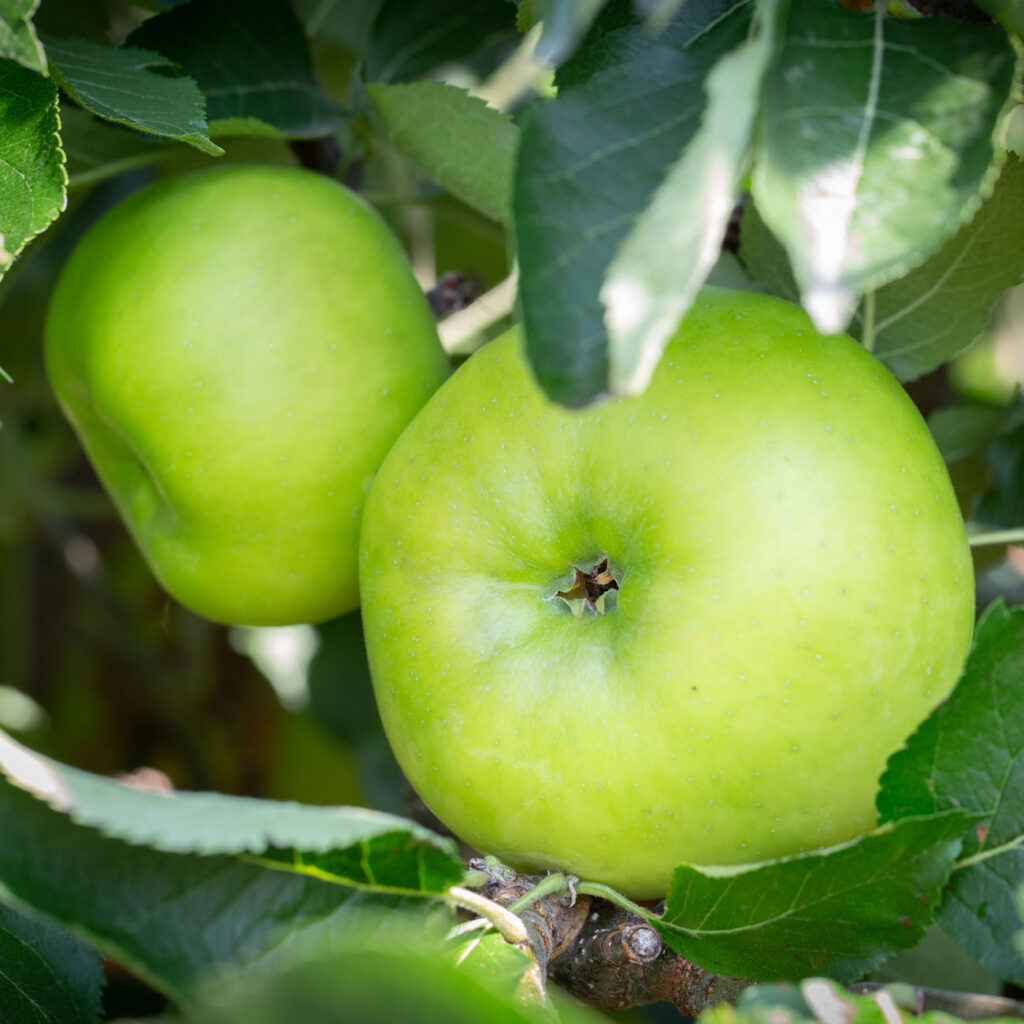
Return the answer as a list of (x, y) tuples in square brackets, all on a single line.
[(867, 151), (871, 146)]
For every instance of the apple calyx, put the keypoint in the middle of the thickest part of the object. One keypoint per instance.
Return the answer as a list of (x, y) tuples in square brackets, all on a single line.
[(588, 588)]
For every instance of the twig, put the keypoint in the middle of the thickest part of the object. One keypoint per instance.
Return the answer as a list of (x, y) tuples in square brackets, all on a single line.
[(608, 956), (603, 954), (462, 332), (980, 540), (965, 1005)]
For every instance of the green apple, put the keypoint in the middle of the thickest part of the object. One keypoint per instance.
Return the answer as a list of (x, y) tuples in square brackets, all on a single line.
[(237, 350), (794, 594)]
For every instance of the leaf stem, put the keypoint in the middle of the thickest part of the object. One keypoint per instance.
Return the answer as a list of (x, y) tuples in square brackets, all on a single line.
[(980, 540), (606, 892), (108, 170), (508, 924), (556, 883), (983, 855), (868, 334), (461, 333)]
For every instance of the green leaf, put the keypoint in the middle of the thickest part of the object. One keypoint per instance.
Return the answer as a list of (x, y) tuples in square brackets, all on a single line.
[(454, 139), (939, 309), (970, 754), (251, 61), (122, 86), (175, 917), (385, 970), (1009, 13), (876, 144), (46, 975), (1003, 503), (675, 242), (342, 701), (124, 837), (938, 962), (18, 40), (352, 845), (565, 24), (764, 257), (487, 954), (33, 182), (926, 318), (839, 912), (344, 23), (728, 272), (964, 430), (612, 41), (85, 19), (409, 40), (589, 162), (98, 149)]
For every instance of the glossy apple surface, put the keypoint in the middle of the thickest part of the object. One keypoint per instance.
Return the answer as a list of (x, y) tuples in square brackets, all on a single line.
[(795, 595), (237, 350)]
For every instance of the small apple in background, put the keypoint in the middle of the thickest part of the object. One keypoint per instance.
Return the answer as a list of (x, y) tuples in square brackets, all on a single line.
[(237, 350), (788, 592)]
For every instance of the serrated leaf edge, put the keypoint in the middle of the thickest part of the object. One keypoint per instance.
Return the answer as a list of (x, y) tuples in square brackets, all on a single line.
[(7, 257)]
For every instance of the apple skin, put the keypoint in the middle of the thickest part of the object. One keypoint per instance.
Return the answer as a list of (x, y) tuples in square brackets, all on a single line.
[(796, 595), (237, 350)]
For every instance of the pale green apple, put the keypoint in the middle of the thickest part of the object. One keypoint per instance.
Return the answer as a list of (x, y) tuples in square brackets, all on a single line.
[(237, 350), (795, 595)]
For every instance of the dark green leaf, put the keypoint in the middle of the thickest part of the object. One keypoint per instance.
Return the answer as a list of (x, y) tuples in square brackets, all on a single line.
[(876, 144), (409, 40), (589, 162), (964, 430), (667, 256), (938, 962), (1010, 13), (98, 149), (764, 257), (122, 86), (33, 183), (46, 975), (251, 61), (352, 845), (970, 754), (341, 699), (936, 311), (454, 139), (565, 24), (345, 23), (728, 272), (607, 45), (340, 688), (18, 40), (1003, 503), (172, 918), (86, 19), (838, 912)]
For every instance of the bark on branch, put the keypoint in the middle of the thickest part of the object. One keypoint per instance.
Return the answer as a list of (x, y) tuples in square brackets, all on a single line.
[(602, 954), (610, 958)]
